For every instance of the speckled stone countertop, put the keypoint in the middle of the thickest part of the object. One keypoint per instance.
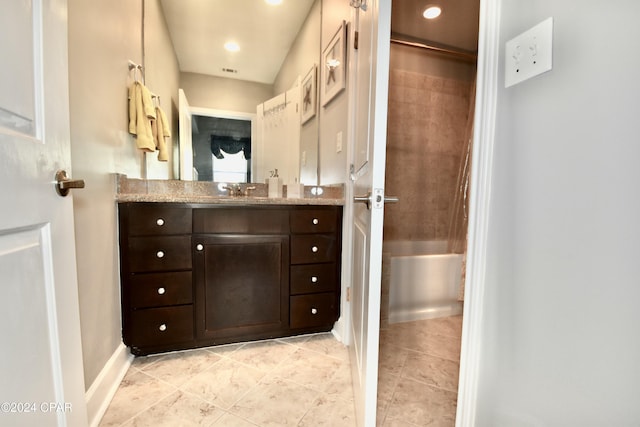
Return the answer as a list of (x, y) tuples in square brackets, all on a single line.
[(173, 191)]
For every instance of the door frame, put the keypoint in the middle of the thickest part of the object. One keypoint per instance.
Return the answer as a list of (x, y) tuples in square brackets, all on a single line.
[(479, 210)]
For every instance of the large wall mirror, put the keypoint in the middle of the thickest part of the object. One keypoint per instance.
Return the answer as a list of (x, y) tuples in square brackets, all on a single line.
[(277, 44)]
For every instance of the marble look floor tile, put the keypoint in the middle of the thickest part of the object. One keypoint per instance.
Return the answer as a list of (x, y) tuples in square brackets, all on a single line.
[(423, 405), (440, 346), (137, 392), (327, 345), (296, 340), (225, 350), (331, 412), (140, 362), (448, 326), (224, 383), (310, 369), (432, 370), (397, 423), (230, 420), (339, 385), (178, 409), (391, 359), (386, 386), (275, 402), (264, 355), (416, 339), (178, 368)]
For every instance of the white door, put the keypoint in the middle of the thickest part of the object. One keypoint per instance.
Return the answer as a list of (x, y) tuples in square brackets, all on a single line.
[(186, 145), (372, 77), (278, 137), (41, 373)]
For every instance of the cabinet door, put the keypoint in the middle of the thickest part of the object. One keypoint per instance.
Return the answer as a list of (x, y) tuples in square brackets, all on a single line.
[(242, 285)]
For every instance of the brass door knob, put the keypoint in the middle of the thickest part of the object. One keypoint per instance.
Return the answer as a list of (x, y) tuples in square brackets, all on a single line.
[(64, 184)]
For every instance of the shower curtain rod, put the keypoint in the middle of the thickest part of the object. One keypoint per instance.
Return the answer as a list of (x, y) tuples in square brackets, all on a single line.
[(466, 56)]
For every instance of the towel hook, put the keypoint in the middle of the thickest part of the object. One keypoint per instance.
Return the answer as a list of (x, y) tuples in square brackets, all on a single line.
[(133, 66), (141, 68)]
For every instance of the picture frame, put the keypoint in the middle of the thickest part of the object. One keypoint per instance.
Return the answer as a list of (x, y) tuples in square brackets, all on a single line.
[(309, 95), (334, 66)]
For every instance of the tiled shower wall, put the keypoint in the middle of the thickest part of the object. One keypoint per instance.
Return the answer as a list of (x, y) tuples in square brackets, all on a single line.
[(425, 135)]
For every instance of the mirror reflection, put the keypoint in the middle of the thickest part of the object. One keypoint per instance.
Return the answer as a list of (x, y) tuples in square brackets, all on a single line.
[(221, 149), (277, 45)]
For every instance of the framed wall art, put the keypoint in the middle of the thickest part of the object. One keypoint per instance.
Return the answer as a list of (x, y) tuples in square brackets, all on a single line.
[(309, 94), (334, 66)]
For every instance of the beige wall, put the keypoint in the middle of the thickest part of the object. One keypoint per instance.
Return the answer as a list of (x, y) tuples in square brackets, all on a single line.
[(103, 36), (303, 55), (333, 116), (428, 110), (220, 93)]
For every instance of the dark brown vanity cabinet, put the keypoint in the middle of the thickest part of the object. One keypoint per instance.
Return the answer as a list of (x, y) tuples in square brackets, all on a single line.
[(226, 273), (156, 275), (241, 260)]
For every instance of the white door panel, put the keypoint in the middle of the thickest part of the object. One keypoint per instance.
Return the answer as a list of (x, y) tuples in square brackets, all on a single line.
[(25, 271), (41, 361), (370, 123)]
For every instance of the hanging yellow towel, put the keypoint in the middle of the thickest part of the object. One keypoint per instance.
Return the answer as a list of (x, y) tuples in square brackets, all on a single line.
[(161, 132), (141, 115)]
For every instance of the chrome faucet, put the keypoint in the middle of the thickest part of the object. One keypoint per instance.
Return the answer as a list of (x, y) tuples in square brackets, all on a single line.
[(237, 190)]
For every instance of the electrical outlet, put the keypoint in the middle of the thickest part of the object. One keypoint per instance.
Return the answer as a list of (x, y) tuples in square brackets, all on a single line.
[(339, 142), (529, 54), (304, 158)]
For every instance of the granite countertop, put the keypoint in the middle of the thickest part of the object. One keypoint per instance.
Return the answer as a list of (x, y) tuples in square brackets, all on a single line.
[(173, 191)]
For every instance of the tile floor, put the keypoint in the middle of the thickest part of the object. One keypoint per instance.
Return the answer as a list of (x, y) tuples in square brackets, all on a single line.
[(418, 373), (299, 381)]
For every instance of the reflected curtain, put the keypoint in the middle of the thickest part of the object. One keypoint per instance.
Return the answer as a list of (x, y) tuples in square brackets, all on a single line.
[(230, 145)]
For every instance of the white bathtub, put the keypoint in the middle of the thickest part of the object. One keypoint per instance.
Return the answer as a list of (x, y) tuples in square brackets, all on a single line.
[(423, 280)]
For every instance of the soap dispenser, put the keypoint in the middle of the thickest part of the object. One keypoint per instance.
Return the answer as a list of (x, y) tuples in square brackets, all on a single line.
[(274, 184)]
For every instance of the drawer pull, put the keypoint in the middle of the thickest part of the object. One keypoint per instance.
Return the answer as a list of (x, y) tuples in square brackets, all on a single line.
[(160, 254), (314, 311), (199, 247), (314, 249), (160, 222), (315, 221), (314, 279), (163, 327), (161, 291)]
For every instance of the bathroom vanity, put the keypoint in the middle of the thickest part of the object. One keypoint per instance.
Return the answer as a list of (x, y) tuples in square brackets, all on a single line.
[(224, 271)]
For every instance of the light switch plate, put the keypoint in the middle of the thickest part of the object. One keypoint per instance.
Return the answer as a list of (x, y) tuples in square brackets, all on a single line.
[(339, 142), (529, 54)]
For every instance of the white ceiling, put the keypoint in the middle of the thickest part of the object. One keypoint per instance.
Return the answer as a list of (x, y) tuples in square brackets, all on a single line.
[(199, 29), (457, 27)]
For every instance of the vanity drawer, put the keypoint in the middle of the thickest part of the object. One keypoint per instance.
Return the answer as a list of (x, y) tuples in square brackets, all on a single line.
[(313, 310), (161, 289), (242, 220), (153, 220), (159, 253), (310, 278), (313, 248), (157, 326), (314, 221)]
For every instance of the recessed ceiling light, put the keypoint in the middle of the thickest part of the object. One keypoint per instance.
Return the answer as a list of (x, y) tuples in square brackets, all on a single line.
[(432, 12), (232, 46), (273, 2)]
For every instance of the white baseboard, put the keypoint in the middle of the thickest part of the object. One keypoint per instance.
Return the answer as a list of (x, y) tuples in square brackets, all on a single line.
[(106, 384)]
